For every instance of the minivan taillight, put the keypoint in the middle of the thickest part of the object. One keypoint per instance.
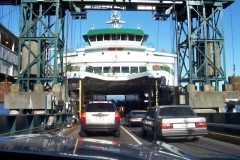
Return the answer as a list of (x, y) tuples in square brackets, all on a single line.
[(83, 116), (201, 124), (117, 116)]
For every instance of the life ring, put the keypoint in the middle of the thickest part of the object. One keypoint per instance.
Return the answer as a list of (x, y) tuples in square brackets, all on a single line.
[(76, 68), (156, 67)]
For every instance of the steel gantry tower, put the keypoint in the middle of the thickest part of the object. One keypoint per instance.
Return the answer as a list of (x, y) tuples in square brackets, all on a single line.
[(200, 42), (41, 43), (200, 36)]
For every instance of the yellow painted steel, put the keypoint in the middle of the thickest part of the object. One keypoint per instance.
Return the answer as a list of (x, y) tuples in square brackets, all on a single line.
[(75, 147), (80, 99), (156, 84)]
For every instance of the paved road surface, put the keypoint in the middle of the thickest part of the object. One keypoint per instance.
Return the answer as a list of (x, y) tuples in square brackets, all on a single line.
[(204, 149)]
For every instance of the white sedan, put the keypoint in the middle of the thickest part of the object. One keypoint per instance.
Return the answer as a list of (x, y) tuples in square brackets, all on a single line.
[(173, 121)]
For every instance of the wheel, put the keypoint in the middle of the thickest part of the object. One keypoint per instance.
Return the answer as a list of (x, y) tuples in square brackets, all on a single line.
[(83, 134), (144, 133), (126, 123), (117, 133), (195, 139), (130, 124), (155, 136)]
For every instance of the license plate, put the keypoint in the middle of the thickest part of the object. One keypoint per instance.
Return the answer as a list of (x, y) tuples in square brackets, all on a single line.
[(184, 125), (136, 119), (100, 118)]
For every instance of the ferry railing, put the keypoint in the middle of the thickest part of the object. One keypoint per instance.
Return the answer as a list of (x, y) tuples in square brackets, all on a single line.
[(32, 123)]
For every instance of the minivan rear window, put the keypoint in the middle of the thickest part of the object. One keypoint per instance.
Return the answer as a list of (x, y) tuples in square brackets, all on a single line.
[(100, 107)]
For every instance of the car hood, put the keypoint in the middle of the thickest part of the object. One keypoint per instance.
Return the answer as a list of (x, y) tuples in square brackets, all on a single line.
[(87, 148)]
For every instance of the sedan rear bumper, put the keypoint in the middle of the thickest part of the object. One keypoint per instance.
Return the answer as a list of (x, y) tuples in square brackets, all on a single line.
[(182, 132), (100, 128), (135, 121)]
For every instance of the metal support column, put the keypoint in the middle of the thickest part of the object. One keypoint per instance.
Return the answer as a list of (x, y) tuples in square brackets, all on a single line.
[(41, 33), (156, 85), (80, 99), (201, 47)]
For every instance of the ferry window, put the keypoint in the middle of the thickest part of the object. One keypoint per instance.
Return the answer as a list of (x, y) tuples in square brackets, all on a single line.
[(123, 37), (106, 37), (100, 37), (98, 70), (116, 69), (134, 70), (125, 69), (131, 37), (92, 38), (115, 37), (106, 69), (89, 69), (143, 69), (138, 38)]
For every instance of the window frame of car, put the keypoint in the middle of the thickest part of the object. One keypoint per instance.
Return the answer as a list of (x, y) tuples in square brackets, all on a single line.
[(86, 109), (150, 113), (182, 106)]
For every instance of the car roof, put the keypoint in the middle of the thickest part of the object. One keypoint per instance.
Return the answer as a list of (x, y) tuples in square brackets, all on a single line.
[(163, 106), (100, 102), (138, 111)]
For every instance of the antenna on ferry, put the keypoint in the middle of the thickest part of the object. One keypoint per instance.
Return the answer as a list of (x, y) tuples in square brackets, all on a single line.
[(115, 20), (92, 26), (138, 26)]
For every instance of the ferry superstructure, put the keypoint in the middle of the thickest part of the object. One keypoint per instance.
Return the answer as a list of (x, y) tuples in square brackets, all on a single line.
[(117, 63)]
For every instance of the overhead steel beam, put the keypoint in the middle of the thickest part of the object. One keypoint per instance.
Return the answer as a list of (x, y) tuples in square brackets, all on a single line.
[(125, 4)]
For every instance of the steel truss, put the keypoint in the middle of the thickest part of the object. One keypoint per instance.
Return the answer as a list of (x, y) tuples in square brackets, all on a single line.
[(41, 44), (200, 38)]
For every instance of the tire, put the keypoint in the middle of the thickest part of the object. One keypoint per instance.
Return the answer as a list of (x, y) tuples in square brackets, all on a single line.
[(117, 133), (144, 133), (195, 139), (155, 136), (126, 123), (130, 124), (82, 134)]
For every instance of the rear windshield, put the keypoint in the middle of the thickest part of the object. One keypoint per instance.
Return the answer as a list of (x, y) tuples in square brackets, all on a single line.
[(176, 111), (100, 107), (142, 113)]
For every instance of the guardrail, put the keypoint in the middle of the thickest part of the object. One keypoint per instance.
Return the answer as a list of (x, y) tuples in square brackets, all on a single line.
[(32, 123), (224, 118), (227, 123), (228, 129), (222, 125)]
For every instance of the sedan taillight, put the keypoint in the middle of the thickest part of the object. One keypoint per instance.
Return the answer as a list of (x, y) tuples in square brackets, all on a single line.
[(201, 124), (166, 125), (83, 116), (117, 116)]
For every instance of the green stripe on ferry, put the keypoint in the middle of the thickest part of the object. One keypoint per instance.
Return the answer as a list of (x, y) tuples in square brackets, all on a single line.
[(163, 68), (73, 68)]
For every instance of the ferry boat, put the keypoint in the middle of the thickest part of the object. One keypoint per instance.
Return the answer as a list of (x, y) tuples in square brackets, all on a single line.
[(117, 63)]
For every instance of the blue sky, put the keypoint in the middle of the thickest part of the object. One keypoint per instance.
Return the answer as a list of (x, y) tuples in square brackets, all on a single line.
[(161, 33)]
